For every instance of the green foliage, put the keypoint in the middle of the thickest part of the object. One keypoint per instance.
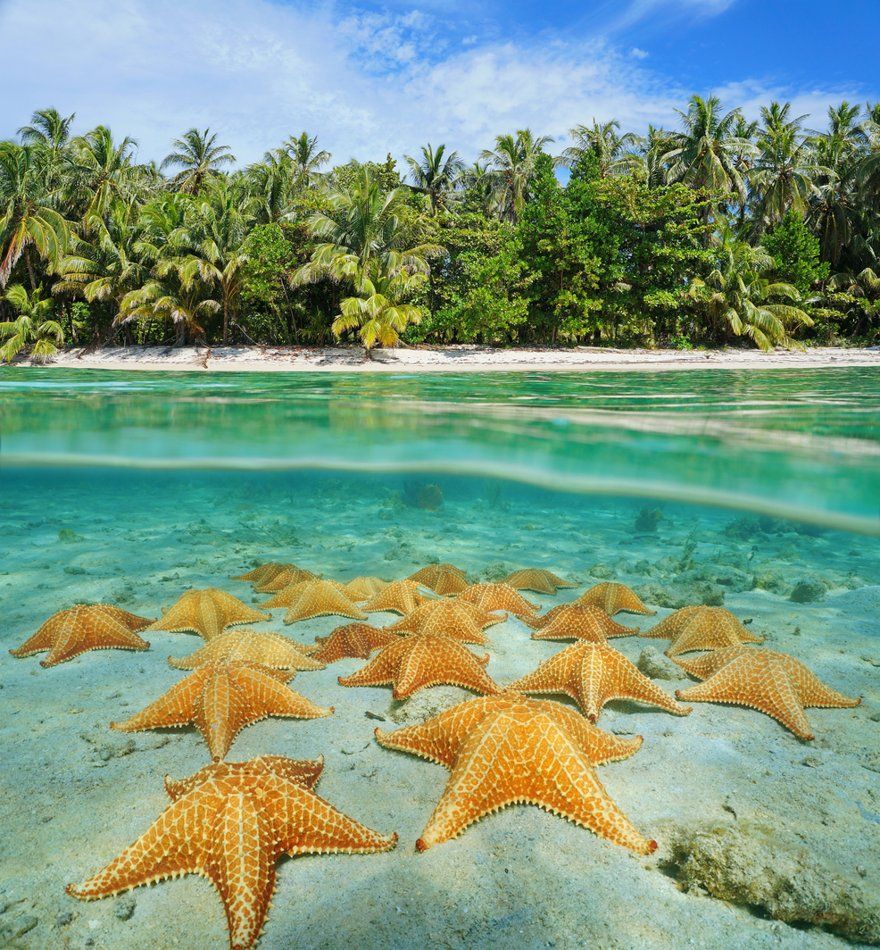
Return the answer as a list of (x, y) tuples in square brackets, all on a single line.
[(795, 252), (33, 328)]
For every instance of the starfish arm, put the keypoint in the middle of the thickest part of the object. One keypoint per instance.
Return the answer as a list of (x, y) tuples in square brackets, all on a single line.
[(107, 636), (508, 762), (304, 772), (173, 845), (380, 671), (424, 665), (306, 824), (40, 642), (547, 677), (813, 692), (174, 708), (242, 868), (132, 621), (633, 684), (538, 622), (265, 694), (599, 747)]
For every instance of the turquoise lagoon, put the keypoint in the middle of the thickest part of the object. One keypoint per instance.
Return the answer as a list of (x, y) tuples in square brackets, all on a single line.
[(758, 490)]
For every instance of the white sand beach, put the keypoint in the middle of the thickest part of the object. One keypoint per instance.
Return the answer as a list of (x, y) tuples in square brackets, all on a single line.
[(458, 359)]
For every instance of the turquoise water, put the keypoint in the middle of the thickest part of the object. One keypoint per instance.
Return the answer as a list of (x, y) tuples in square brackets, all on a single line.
[(756, 490)]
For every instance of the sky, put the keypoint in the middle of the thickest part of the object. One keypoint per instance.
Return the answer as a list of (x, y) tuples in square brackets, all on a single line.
[(370, 78)]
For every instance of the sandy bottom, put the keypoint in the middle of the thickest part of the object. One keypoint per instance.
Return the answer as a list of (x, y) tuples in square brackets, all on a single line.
[(453, 359), (74, 793)]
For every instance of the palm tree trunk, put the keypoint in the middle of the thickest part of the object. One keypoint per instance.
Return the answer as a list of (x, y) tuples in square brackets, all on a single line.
[(30, 268)]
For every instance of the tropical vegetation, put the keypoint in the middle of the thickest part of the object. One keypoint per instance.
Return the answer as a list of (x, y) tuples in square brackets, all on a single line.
[(719, 230)]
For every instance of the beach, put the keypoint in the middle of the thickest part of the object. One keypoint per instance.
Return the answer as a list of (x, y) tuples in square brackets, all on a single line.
[(455, 359)]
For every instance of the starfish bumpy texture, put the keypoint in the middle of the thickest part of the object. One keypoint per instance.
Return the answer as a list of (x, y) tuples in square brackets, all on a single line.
[(265, 649), (290, 575), (420, 661), (701, 628), (400, 597), (82, 628), (231, 828), (495, 597), (536, 579), (570, 622), (265, 572), (310, 599), (613, 599), (357, 640), (443, 579), (505, 750), (305, 772), (363, 588), (220, 699), (773, 683), (593, 674), (452, 618), (206, 612)]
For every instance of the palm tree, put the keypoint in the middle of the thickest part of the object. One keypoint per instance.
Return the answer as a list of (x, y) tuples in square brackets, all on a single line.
[(98, 171), (436, 173), (365, 245), (705, 153), (739, 300), (27, 218), (270, 184), (650, 157), (305, 156), (611, 152), (785, 171), (511, 165), (48, 129), (34, 326), (199, 157)]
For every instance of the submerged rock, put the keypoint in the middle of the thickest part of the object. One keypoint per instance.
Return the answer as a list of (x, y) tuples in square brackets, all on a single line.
[(776, 873), (425, 703), (808, 591), (652, 663), (647, 520)]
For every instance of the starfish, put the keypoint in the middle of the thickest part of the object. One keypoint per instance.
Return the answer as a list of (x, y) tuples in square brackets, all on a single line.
[(773, 683), (700, 628), (593, 674), (420, 661), (492, 597), (265, 572), (452, 618), (315, 599), (265, 649), (613, 598), (220, 699), (231, 828), (85, 627), (441, 578), (570, 622), (206, 612), (401, 597), (354, 639), (536, 579), (363, 588), (290, 575), (505, 750), (305, 772)]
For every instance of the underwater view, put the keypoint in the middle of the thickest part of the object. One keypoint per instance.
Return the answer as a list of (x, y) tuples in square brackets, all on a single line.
[(531, 660)]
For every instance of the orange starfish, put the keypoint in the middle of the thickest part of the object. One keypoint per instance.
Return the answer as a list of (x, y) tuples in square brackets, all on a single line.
[(310, 599), (773, 683), (354, 639), (401, 597), (570, 622), (305, 772), (220, 699), (613, 599), (452, 618), (206, 612), (363, 588), (593, 674), (505, 750), (420, 661), (85, 627), (231, 828), (536, 579), (441, 578), (265, 649), (265, 572), (701, 628), (290, 575), (493, 597)]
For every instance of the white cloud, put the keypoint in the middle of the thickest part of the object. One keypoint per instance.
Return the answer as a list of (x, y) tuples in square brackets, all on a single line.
[(256, 71), (638, 53)]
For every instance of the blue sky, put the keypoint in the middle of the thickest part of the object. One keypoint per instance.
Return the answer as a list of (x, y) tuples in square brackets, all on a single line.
[(371, 77)]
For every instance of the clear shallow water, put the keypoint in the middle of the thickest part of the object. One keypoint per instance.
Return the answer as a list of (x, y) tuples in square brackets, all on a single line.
[(131, 488)]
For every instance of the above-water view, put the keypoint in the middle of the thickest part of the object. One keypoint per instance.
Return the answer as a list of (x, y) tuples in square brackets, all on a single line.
[(356, 627)]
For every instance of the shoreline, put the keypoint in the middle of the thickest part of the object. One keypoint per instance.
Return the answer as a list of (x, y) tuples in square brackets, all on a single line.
[(455, 359)]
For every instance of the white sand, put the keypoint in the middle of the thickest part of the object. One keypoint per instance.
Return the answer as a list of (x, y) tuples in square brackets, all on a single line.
[(453, 359)]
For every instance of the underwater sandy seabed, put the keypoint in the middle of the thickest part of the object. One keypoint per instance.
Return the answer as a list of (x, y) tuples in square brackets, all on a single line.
[(741, 809)]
